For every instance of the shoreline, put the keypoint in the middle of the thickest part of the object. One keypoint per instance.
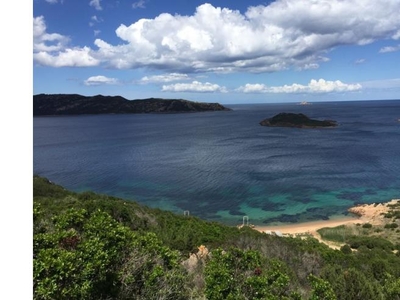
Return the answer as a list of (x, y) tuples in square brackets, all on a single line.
[(364, 213), (307, 227)]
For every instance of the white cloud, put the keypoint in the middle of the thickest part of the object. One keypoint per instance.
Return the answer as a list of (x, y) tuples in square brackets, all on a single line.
[(195, 86), (315, 86), (76, 57), (389, 49), (43, 41), (95, 19), (50, 49), (310, 66), (100, 80), (96, 4), (253, 88), (360, 61), (283, 35), (139, 4), (396, 36), (164, 78), (52, 1)]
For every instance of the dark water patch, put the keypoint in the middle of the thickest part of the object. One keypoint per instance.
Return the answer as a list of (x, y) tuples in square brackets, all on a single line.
[(353, 196), (317, 213), (301, 199), (272, 206), (284, 218)]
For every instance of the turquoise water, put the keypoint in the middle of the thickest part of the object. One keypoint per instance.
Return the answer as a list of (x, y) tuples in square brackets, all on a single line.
[(223, 165)]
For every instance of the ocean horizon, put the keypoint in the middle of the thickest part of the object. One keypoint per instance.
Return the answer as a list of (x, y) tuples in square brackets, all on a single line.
[(223, 166)]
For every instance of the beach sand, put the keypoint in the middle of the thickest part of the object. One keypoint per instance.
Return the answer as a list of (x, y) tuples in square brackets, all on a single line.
[(366, 213)]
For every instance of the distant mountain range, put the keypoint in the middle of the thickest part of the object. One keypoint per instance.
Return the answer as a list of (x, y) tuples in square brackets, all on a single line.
[(74, 104)]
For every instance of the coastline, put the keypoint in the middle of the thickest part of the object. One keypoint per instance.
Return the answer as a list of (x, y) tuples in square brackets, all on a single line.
[(308, 227), (365, 213)]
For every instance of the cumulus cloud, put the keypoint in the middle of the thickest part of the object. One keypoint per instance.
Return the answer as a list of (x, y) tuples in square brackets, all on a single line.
[(43, 41), (389, 49), (96, 4), (100, 80), (266, 38), (315, 86), (194, 86), (75, 57), (50, 49), (164, 78)]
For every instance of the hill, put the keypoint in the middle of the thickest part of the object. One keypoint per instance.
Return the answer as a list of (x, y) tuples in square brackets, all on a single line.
[(74, 104), (92, 246), (296, 120)]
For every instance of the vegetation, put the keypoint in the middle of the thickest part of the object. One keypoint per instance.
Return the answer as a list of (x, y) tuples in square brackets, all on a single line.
[(296, 120), (74, 104), (91, 246)]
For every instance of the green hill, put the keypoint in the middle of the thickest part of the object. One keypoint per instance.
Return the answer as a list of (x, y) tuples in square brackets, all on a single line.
[(74, 104), (91, 246)]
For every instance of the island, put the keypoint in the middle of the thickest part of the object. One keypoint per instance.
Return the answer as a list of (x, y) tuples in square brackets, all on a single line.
[(75, 104), (296, 120)]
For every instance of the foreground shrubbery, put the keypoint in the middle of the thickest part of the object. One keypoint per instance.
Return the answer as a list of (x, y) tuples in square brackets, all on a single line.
[(89, 246)]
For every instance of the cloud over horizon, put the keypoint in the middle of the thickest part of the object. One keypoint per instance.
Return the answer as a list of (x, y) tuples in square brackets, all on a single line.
[(266, 38), (164, 78), (195, 86), (100, 80), (315, 86)]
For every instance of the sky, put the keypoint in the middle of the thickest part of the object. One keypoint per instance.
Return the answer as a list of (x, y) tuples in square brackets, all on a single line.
[(223, 51)]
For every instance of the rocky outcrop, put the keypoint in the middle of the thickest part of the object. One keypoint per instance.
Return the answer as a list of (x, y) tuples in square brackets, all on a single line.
[(296, 120), (196, 259), (74, 104)]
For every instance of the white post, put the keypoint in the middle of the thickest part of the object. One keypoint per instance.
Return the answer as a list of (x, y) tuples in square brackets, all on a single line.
[(186, 213), (245, 221)]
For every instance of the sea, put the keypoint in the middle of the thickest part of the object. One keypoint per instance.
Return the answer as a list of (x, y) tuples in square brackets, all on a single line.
[(224, 166)]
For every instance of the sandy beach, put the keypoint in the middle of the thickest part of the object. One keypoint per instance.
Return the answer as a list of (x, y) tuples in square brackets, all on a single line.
[(366, 213), (308, 227)]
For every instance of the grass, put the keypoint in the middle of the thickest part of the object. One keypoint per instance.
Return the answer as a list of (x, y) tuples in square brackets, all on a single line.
[(340, 233)]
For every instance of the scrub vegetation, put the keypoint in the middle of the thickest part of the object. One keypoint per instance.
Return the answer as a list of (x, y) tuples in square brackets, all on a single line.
[(92, 246)]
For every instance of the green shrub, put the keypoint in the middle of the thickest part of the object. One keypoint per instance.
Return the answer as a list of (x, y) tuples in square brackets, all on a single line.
[(391, 225), (356, 242), (367, 225), (346, 249)]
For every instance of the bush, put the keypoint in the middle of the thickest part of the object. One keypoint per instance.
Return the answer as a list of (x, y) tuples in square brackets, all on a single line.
[(367, 225), (238, 274), (356, 242), (346, 249), (92, 256), (391, 225)]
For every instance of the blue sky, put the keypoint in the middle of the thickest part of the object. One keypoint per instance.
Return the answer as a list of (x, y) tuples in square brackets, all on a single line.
[(218, 51)]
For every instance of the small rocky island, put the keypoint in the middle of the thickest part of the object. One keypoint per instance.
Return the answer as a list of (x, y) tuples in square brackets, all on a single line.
[(297, 121), (74, 104)]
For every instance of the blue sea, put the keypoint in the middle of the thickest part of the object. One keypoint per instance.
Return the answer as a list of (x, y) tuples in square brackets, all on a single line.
[(222, 166)]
